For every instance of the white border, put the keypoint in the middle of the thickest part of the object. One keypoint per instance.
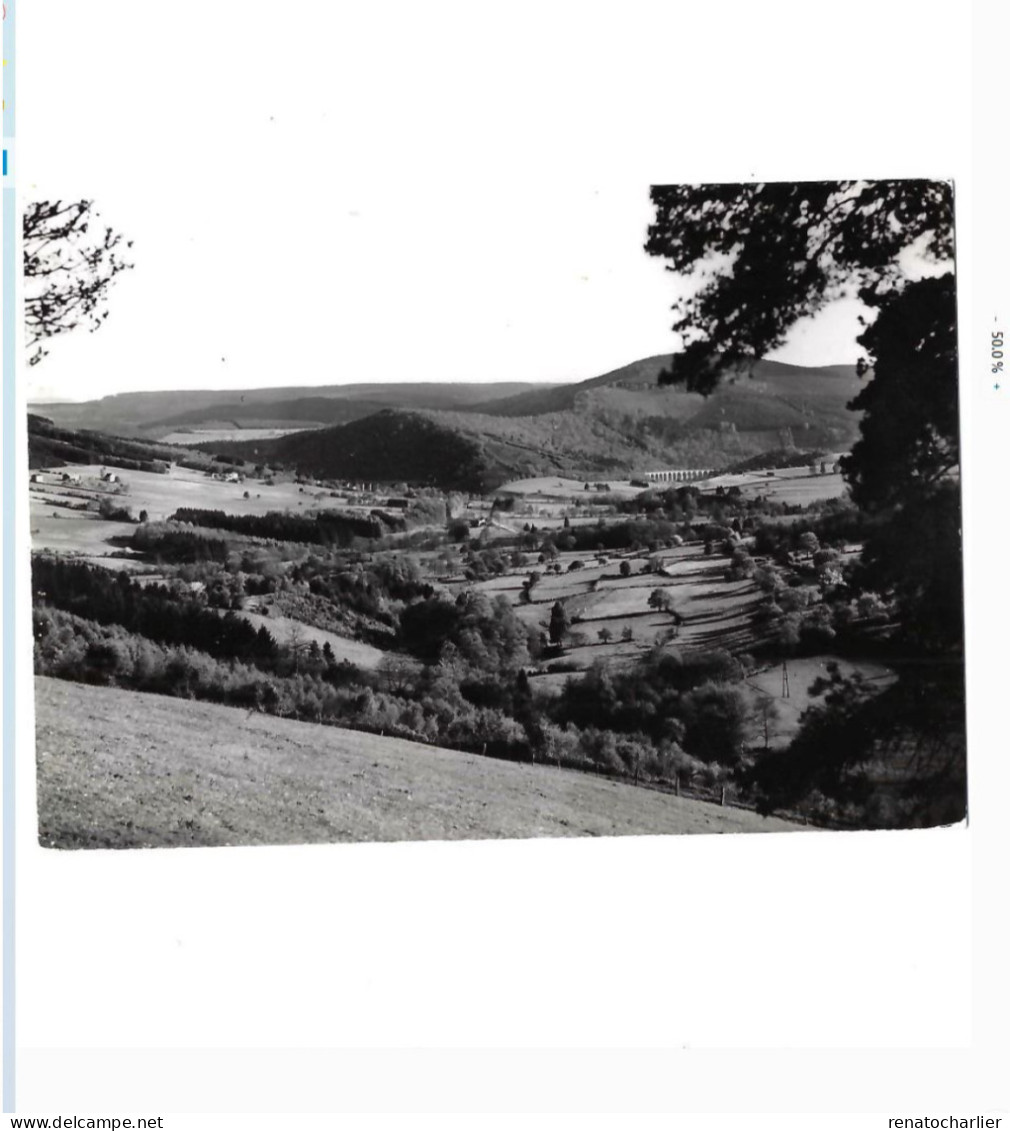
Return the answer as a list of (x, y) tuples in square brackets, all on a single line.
[(777, 943)]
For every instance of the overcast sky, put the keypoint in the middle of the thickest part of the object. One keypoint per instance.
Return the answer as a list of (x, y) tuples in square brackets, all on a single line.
[(322, 201)]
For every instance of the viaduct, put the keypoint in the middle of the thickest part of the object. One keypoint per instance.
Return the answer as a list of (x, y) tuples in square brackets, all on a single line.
[(680, 475)]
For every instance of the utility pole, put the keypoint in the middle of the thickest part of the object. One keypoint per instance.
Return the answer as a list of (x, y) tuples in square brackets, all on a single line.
[(785, 680)]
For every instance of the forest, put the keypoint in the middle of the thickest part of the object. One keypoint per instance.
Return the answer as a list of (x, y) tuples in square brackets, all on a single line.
[(327, 528)]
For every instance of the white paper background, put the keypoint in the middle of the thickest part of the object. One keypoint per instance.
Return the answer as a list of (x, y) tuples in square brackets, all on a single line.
[(644, 965)]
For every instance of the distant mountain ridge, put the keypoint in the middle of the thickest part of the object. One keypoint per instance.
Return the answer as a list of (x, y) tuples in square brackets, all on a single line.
[(644, 374), (607, 427), (166, 410), (299, 412)]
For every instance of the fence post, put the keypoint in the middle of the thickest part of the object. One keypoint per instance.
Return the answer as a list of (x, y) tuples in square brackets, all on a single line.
[(722, 796)]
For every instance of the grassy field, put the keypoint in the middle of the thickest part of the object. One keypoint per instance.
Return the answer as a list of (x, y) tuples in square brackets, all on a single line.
[(801, 673), (162, 495), (560, 487), (786, 485), (121, 769), (56, 527), (717, 613), (285, 631), (212, 435), (73, 532)]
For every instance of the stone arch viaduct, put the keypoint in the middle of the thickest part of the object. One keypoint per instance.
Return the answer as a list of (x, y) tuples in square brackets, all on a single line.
[(680, 475)]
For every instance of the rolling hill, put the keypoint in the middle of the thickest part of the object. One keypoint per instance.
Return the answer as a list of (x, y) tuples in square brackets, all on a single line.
[(769, 377), (610, 426), (472, 437), (300, 412), (389, 446), (640, 375), (49, 446), (157, 413), (125, 769)]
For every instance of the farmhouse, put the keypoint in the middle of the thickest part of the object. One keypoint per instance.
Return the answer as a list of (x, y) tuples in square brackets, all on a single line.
[(52, 478)]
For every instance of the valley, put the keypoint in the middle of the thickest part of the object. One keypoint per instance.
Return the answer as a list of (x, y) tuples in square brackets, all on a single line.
[(410, 577)]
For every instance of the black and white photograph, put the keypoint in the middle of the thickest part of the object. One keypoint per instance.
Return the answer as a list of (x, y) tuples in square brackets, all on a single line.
[(672, 546)]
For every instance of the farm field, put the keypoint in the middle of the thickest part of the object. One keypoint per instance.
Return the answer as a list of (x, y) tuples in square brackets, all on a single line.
[(70, 532), (123, 769), (284, 629), (58, 528), (716, 612), (554, 487), (215, 435), (162, 495), (784, 485), (787, 485)]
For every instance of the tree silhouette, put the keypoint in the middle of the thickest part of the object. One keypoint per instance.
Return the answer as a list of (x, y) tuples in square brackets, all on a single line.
[(773, 255), (909, 433), (70, 262), (559, 623), (769, 254), (903, 468), (764, 715), (661, 600)]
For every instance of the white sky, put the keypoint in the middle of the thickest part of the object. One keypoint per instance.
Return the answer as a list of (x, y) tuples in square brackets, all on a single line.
[(297, 220)]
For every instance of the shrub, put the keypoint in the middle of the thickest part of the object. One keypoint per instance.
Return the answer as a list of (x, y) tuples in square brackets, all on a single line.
[(741, 565), (715, 719), (112, 512)]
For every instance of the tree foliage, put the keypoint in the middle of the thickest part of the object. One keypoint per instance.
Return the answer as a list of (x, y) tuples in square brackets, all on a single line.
[(70, 261), (762, 257), (765, 255), (326, 528), (559, 624), (909, 432), (910, 765), (166, 614), (662, 601)]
